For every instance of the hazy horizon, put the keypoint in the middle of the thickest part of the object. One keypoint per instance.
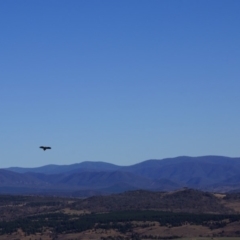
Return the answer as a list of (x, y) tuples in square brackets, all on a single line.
[(118, 81), (121, 165)]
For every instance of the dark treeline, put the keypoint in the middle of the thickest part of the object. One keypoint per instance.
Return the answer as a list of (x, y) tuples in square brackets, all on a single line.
[(33, 201), (45, 204), (13, 200), (121, 221)]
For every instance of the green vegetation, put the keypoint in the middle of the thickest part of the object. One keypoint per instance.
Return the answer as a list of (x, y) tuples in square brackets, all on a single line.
[(13, 200), (45, 204), (121, 221), (132, 215)]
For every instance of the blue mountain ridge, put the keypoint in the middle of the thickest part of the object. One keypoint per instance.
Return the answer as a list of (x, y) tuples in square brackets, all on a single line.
[(213, 173)]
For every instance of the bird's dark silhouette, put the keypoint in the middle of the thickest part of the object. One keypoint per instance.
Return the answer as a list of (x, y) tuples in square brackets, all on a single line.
[(45, 148)]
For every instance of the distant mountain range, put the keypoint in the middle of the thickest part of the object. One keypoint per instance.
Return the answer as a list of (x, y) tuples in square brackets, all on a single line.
[(209, 173)]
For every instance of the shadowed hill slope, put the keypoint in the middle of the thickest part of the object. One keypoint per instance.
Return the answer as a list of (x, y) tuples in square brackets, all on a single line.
[(187, 200)]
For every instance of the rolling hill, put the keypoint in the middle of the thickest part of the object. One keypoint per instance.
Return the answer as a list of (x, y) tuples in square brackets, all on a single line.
[(212, 173)]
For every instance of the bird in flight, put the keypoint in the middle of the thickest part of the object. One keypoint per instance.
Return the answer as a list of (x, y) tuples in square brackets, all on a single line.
[(45, 148)]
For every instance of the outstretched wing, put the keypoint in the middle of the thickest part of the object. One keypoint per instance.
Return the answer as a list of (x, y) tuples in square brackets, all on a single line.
[(45, 148)]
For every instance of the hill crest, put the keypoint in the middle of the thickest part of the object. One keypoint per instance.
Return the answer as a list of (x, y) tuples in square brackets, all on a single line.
[(212, 173)]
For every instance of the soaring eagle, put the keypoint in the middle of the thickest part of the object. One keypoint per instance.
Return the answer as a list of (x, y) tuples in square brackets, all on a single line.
[(45, 148)]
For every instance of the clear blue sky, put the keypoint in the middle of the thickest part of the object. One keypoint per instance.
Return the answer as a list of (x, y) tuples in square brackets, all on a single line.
[(118, 81)]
